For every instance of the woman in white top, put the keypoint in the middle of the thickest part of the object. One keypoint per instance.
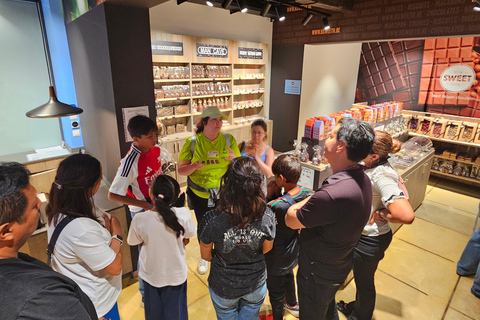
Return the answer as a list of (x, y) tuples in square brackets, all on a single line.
[(257, 149), (163, 233), (86, 251), (390, 204)]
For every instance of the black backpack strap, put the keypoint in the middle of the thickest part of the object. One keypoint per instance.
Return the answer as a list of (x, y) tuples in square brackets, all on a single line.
[(55, 235), (289, 199)]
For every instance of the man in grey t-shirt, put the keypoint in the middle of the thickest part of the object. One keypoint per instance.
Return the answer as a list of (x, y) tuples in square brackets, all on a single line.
[(332, 220)]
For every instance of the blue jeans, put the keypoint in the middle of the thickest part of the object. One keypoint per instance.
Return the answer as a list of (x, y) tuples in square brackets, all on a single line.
[(469, 263), (247, 307), (141, 285)]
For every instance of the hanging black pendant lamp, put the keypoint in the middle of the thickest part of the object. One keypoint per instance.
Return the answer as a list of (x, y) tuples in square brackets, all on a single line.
[(53, 108)]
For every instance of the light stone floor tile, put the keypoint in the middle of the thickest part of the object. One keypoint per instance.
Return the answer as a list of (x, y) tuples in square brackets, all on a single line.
[(464, 301), (412, 283), (454, 200), (446, 216), (458, 187), (424, 271), (452, 314), (397, 300), (436, 239)]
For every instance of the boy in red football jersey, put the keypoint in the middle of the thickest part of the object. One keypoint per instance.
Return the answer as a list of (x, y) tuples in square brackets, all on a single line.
[(138, 168)]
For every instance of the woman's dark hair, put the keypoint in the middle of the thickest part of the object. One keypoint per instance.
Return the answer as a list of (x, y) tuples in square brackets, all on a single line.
[(169, 188), (260, 123), (201, 125), (241, 192), (72, 191), (385, 144)]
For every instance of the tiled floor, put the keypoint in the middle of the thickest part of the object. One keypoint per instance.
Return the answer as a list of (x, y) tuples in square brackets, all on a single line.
[(416, 280)]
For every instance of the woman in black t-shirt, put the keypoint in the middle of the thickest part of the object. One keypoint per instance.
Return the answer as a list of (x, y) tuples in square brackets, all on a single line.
[(234, 236)]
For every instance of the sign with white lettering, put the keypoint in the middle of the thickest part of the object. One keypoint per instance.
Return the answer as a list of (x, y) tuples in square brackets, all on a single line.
[(250, 53), (215, 51), (306, 178), (167, 48)]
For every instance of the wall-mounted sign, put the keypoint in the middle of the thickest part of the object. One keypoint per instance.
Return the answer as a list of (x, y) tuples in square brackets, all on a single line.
[(167, 48), (208, 50), (306, 178), (129, 113), (250, 53), (457, 78), (293, 86)]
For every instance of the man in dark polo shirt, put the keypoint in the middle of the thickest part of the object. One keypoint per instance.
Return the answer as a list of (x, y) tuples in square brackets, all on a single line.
[(29, 289), (332, 220)]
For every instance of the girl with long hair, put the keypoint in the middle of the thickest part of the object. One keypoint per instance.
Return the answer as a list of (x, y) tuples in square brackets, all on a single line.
[(204, 159), (389, 204), (88, 248), (234, 237), (163, 233)]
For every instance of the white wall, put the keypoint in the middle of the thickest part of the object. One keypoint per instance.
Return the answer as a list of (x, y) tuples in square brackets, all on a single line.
[(190, 19), (24, 83), (329, 80)]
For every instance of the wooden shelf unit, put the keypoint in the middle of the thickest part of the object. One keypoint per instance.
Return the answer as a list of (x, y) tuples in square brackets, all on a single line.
[(441, 144)]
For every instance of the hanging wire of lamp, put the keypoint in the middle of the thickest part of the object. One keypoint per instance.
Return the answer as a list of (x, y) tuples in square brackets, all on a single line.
[(53, 108)]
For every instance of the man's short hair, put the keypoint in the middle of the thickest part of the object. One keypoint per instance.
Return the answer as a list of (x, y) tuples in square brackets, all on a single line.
[(141, 125), (13, 202), (288, 166), (358, 136)]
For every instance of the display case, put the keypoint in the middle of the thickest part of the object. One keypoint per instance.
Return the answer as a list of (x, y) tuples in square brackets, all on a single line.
[(457, 152)]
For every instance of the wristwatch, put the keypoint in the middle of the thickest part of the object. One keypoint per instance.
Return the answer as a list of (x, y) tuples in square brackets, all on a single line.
[(118, 237)]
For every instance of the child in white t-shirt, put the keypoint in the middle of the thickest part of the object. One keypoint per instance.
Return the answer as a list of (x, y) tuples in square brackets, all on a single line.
[(163, 233)]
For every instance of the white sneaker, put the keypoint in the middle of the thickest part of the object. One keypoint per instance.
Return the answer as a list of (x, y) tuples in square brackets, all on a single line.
[(202, 266)]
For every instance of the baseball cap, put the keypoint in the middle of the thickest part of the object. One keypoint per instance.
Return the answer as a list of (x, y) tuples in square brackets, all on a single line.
[(213, 112)]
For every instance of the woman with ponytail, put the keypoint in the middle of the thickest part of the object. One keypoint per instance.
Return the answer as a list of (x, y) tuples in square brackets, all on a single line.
[(163, 233), (234, 237), (389, 204)]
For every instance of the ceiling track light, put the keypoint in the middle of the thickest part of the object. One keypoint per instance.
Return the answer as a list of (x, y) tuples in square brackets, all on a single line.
[(307, 18), (476, 6), (209, 3), (179, 2), (326, 25), (265, 9), (280, 13), (226, 4), (243, 7)]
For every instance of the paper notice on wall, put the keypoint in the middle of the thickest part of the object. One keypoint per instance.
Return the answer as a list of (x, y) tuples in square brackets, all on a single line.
[(293, 86), (306, 178), (129, 113)]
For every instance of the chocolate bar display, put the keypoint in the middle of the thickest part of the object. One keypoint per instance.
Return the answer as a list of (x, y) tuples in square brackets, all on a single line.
[(449, 77), (379, 69), (390, 71), (409, 55)]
